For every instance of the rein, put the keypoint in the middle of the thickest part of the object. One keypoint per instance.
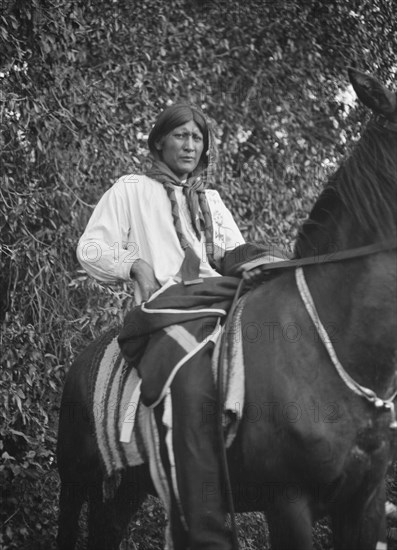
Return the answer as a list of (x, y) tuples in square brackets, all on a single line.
[(367, 250)]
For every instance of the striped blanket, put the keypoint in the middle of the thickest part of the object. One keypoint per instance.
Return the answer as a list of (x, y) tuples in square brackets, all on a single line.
[(113, 386)]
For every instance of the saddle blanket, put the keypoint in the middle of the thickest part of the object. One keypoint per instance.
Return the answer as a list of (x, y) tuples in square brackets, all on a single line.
[(125, 429), (114, 386)]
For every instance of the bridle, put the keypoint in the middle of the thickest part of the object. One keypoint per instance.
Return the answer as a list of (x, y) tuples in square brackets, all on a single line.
[(297, 264), (391, 244)]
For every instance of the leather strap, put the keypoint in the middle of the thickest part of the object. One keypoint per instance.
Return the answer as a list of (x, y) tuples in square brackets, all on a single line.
[(322, 258)]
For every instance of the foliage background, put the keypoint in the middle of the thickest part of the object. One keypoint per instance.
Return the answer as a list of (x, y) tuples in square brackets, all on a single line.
[(81, 83)]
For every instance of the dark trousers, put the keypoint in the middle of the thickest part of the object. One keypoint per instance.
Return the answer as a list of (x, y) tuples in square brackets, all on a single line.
[(196, 452)]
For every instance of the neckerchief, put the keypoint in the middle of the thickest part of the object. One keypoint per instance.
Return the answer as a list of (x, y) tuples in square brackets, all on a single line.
[(194, 191)]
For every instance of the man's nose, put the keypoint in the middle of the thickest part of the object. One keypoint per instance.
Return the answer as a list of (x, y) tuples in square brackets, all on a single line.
[(189, 143)]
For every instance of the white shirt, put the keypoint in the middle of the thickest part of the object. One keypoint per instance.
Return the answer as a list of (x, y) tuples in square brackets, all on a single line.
[(133, 220)]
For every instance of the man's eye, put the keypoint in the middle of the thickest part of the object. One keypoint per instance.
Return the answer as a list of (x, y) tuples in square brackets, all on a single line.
[(186, 136)]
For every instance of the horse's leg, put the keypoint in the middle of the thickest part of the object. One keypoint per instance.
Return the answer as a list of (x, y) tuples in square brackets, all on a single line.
[(108, 521), (290, 525), (361, 525), (70, 503), (76, 463), (76, 477), (77, 453)]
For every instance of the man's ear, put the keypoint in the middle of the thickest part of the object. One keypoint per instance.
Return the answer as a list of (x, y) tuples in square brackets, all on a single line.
[(159, 144)]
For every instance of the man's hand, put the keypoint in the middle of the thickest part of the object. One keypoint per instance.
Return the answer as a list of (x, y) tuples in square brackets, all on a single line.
[(252, 276), (143, 273)]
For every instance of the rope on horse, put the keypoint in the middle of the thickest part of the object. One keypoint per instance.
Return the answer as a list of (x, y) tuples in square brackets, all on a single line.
[(357, 388), (224, 463)]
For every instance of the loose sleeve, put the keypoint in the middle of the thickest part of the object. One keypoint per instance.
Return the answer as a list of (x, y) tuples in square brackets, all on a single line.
[(106, 250)]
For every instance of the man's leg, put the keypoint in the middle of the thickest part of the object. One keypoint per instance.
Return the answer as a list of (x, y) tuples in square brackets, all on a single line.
[(196, 451)]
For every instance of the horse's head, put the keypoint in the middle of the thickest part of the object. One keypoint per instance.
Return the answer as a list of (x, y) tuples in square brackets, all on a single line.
[(358, 205)]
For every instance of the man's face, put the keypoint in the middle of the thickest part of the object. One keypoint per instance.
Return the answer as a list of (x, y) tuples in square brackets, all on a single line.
[(181, 149)]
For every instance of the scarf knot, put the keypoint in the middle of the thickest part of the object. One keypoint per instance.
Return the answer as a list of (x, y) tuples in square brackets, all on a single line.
[(194, 191)]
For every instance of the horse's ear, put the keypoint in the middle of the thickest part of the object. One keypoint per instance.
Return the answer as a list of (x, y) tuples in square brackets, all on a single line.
[(372, 93)]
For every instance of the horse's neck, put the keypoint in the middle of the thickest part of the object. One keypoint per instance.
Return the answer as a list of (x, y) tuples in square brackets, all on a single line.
[(372, 326), (357, 303), (357, 298), (330, 231)]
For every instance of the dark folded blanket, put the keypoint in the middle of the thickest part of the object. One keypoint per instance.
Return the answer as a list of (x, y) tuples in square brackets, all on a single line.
[(178, 323)]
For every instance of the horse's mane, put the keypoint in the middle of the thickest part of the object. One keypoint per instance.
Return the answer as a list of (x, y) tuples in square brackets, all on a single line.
[(365, 185)]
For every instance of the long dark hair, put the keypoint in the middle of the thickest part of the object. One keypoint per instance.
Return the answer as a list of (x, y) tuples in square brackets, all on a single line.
[(174, 116)]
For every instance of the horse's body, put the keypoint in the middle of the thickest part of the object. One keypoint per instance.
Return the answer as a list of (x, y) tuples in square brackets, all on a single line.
[(307, 445)]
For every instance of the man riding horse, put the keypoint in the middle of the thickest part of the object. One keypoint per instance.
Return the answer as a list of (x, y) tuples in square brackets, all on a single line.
[(317, 430), (170, 229)]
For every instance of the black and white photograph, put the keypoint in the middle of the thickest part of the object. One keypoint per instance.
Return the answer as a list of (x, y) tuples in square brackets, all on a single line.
[(198, 306)]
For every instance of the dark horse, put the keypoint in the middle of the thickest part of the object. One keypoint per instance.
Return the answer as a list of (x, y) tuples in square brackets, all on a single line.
[(312, 441)]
